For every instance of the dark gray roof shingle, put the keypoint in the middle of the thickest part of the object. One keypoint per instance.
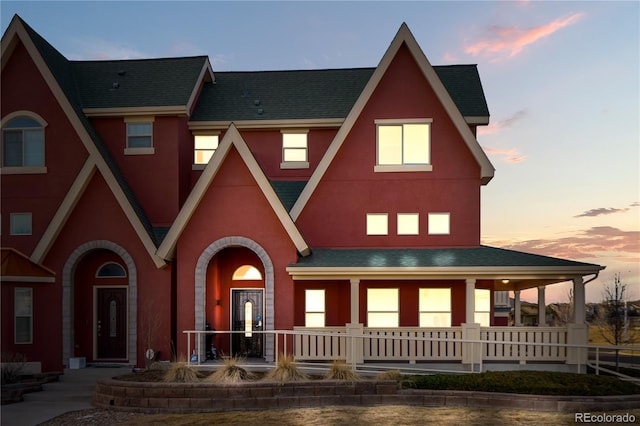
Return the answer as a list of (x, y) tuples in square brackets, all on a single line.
[(288, 191)]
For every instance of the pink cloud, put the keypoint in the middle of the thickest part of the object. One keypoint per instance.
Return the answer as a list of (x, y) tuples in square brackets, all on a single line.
[(507, 155), (509, 41)]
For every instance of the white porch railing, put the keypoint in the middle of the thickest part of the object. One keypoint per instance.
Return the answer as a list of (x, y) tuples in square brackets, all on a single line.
[(412, 344), (519, 343)]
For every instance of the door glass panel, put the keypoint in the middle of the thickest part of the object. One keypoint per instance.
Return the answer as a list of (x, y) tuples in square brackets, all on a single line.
[(113, 321), (248, 318)]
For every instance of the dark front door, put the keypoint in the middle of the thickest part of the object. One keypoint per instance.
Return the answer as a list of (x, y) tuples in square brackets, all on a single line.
[(112, 323), (247, 317)]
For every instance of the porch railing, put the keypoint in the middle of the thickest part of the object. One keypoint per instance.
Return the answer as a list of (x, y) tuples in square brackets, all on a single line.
[(519, 343)]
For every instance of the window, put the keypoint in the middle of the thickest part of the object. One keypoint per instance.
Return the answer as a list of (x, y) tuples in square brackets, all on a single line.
[(439, 223), (377, 224), (314, 314), (382, 307), (23, 143), (139, 136), (435, 307), (408, 223), (23, 311), (294, 150), (483, 307), (111, 270), (20, 223), (246, 273), (403, 146), (204, 148)]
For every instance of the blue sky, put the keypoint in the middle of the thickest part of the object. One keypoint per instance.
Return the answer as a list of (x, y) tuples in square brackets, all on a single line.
[(562, 81)]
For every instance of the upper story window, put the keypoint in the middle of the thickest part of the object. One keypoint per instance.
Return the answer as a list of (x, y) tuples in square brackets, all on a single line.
[(439, 223), (408, 223), (295, 152), (403, 145), (139, 136), (23, 144), (20, 224), (377, 223), (204, 148)]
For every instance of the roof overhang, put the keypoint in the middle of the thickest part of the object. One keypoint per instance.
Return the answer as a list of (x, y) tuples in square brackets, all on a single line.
[(181, 110), (17, 267)]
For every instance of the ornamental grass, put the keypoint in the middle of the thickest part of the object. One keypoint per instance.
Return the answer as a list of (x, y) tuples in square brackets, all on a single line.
[(231, 372), (286, 371), (181, 372), (339, 370)]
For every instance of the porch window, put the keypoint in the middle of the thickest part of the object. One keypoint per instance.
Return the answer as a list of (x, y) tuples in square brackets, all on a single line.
[(435, 307), (314, 308), (483, 307), (23, 311), (246, 273), (382, 307)]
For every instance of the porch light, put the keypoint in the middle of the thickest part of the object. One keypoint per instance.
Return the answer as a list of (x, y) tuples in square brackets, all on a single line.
[(505, 281)]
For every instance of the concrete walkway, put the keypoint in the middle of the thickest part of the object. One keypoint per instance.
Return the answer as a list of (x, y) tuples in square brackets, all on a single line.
[(72, 392)]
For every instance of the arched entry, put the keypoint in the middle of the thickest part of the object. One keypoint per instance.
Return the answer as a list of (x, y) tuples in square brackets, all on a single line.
[(111, 280), (201, 285)]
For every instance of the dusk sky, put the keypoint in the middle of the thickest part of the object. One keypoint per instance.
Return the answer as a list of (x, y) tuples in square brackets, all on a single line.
[(562, 81)]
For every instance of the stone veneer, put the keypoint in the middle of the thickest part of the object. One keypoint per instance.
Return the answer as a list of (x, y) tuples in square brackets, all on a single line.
[(214, 397)]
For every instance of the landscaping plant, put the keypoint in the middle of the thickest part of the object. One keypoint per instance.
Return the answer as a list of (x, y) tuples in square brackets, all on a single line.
[(181, 372), (286, 370), (339, 370), (230, 372)]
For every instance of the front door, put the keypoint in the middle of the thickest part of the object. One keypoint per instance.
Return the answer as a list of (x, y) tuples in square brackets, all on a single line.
[(111, 323), (247, 317)]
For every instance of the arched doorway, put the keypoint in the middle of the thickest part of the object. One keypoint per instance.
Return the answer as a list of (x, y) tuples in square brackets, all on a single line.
[(234, 291), (99, 311)]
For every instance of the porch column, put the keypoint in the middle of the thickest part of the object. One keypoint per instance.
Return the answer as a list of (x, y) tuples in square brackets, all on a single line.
[(355, 300), (542, 316), (516, 302), (578, 314), (470, 301)]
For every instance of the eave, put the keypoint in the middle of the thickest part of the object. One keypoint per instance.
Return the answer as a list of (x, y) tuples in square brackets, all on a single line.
[(180, 110), (267, 124)]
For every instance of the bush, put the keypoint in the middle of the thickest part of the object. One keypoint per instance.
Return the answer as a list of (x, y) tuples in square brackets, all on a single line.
[(286, 371), (230, 372), (181, 372), (12, 367), (390, 375), (339, 370), (525, 382)]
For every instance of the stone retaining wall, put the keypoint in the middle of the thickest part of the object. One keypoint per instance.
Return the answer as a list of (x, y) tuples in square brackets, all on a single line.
[(212, 397)]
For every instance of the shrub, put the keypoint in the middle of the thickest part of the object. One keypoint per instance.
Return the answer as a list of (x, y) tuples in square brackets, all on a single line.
[(390, 375), (181, 372), (230, 372), (286, 370), (339, 370), (12, 367)]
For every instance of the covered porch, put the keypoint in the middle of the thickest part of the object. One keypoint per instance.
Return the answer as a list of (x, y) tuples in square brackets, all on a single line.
[(474, 337)]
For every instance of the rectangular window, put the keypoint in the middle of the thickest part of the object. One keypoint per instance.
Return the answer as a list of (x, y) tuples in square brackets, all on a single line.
[(439, 223), (294, 150), (204, 148), (140, 135), (382, 307), (403, 146), (23, 143), (377, 224), (435, 307), (483, 307), (314, 308), (20, 224), (23, 311), (408, 223)]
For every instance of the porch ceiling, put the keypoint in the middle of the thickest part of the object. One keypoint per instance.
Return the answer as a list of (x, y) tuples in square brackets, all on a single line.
[(522, 270)]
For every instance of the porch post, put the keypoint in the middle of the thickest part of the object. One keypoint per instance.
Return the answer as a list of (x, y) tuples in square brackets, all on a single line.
[(542, 315), (518, 314), (355, 300), (578, 316), (470, 302)]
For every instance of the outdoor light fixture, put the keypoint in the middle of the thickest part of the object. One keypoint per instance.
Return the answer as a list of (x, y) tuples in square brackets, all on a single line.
[(505, 281)]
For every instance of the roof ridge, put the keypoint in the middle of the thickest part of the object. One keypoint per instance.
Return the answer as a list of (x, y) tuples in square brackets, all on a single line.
[(166, 58)]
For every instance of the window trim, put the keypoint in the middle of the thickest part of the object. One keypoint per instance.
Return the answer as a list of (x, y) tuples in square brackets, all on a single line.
[(24, 170), (146, 150), (390, 168), (295, 164), (15, 316), (12, 215)]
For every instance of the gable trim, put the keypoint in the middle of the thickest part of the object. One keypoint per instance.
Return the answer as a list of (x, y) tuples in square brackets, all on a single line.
[(17, 29), (206, 74), (231, 138), (403, 36)]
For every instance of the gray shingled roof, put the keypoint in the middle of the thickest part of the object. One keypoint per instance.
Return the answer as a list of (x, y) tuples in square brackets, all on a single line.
[(137, 83), (430, 257), (315, 94), (288, 191)]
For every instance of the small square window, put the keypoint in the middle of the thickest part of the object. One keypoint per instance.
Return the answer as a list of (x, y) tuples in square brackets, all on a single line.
[(204, 148), (377, 224), (439, 224), (408, 223), (20, 223), (140, 135)]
